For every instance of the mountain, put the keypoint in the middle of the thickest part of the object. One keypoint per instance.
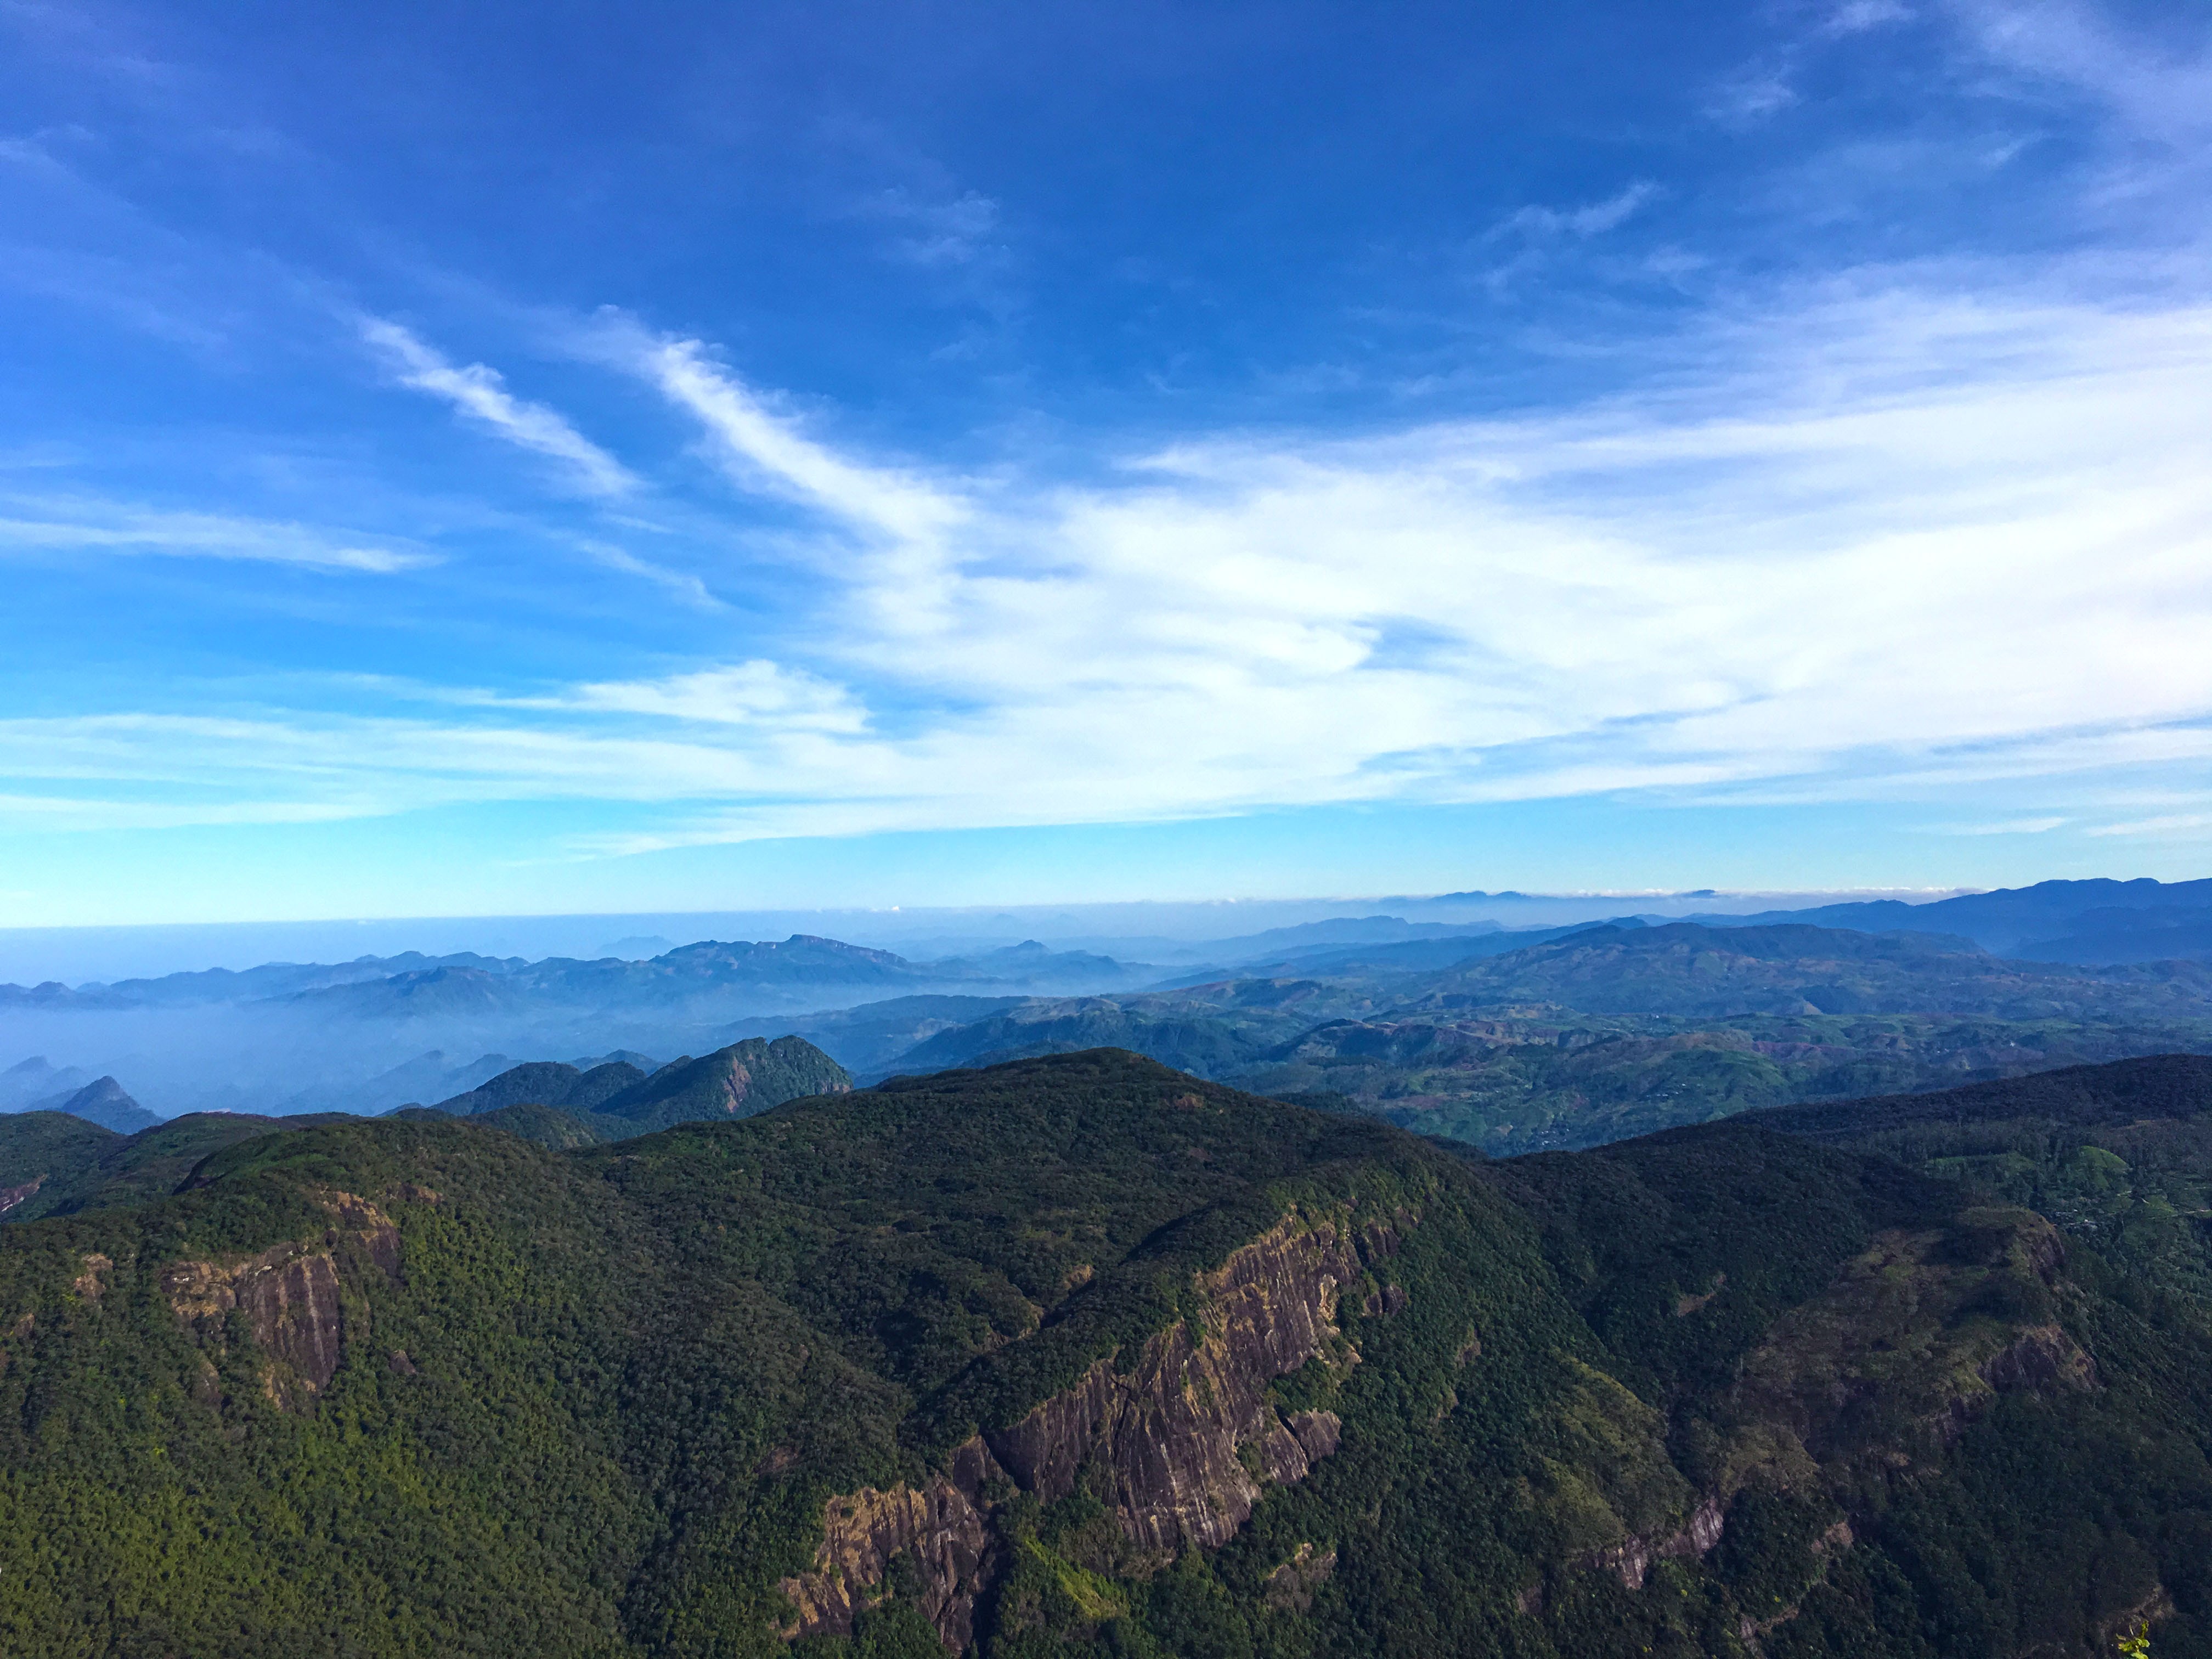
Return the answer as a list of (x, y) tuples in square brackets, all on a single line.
[(731, 975), (738, 1081), (2119, 1156), (102, 1102), (1198, 1038), (151, 1164), (1083, 1357), (38, 1147), (1684, 969), (52, 995), (211, 985), (548, 1126), (36, 1078), (2085, 921), (1562, 1079), (866, 1038), (1599, 1034), (547, 1082)]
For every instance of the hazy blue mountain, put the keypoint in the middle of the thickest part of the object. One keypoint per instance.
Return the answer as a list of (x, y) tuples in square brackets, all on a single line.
[(102, 1102), (2097, 920), (866, 1038), (37, 1079), (53, 995), (1686, 969), (275, 979)]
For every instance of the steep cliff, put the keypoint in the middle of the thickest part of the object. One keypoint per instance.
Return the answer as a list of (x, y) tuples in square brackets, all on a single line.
[(1180, 1438), (289, 1295)]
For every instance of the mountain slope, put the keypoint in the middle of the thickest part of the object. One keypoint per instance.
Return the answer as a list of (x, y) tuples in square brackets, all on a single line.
[(2119, 1156), (1081, 1356), (1686, 969), (103, 1102), (38, 1147), (547, 1082), (153, 1163), (2095, 921), (738, 1081)]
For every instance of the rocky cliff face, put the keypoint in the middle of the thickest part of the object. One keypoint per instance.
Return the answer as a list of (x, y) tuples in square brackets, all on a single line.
[(1185, 1436), (289, 1295)]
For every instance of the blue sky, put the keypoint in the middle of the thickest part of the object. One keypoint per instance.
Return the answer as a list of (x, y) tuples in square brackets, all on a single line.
[(583, 457)]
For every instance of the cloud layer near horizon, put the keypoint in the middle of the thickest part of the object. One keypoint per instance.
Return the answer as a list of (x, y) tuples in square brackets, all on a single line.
[(1839, 546)]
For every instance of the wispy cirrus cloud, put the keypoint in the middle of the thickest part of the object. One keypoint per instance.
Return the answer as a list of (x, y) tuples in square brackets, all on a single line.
[(1873, 542), (78, 524), (480, 393)]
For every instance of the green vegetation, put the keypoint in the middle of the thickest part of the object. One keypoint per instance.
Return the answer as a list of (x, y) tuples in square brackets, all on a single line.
[(39, 1148), (1560, 1079), (153, 1163), (595, 1400), (2118, 1157)]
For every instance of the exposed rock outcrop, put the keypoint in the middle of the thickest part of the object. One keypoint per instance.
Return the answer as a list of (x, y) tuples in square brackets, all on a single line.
[(1170, 1429), (1632, 1560), (1290, 1587), (289, 1296), (1185, 1439), (11, 1196)]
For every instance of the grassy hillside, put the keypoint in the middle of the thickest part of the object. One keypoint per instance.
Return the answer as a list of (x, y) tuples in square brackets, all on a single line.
[(1083, 1357)]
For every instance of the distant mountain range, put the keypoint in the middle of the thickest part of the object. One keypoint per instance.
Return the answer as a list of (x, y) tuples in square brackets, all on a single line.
[(1600, 1033), (711, 973), (1781, 1007), (2087, 921)]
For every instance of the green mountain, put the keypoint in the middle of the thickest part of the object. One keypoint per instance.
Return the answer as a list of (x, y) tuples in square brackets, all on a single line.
[(1564, 1079), (738, 1081), (547, 1082), (548, 1125), (1603, 1033), (2119, 1156), (125, 1170), (37, 1147), (1081, 1356)]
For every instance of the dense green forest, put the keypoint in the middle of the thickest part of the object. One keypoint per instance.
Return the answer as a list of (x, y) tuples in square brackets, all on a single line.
[(1080, 1356)]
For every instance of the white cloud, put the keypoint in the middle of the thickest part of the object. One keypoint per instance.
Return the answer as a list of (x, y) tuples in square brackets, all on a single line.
[(78, 524), (2162, 91), (480, 394), (1857, 16), (2003, 827), (2169, 823), (683, 584), (1593, 219), (765, 448), (1881, 539), (957, 230)]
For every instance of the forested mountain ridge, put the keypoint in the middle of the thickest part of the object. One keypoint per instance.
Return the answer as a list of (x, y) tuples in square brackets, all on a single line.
[(1611, 1031), (1080, 1356)]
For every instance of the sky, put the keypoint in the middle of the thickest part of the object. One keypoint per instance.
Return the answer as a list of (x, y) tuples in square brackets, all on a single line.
[(572, 458)]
